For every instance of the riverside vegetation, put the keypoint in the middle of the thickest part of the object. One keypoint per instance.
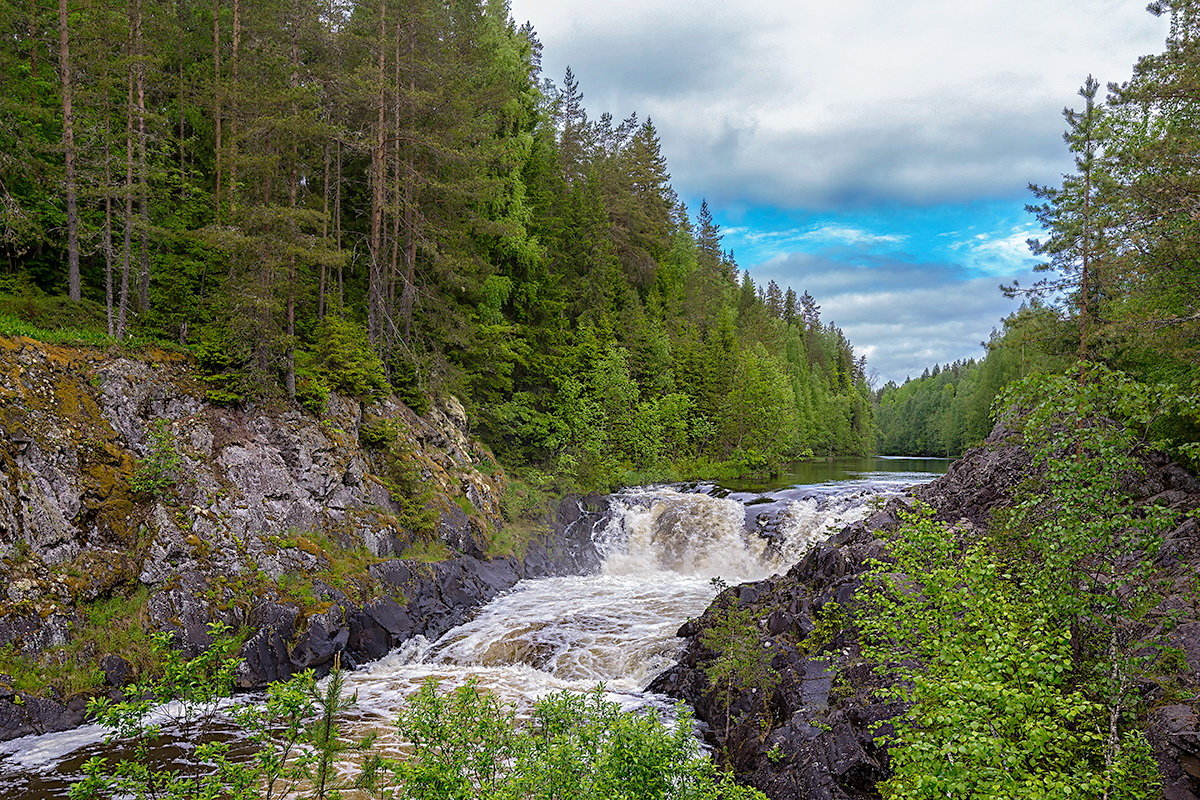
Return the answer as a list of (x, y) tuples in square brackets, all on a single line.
[(1024, 654), (379, 197), (460, 745)]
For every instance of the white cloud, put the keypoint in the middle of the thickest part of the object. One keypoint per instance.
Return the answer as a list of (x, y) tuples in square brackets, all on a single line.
[(807, 104), (845, 234), (1001, 254), (904, 317)]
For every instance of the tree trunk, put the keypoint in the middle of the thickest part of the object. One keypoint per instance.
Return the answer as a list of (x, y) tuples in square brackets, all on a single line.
[(74, 289), (293, 231), (127, 218), (218, 111), (375, 282), (109, 311), (235, 80), (143, 166), (323, 279)]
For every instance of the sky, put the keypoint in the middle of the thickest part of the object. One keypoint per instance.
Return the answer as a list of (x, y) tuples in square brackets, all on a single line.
[(875, 153)]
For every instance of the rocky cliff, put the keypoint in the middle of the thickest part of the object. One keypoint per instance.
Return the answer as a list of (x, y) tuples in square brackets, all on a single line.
[(814, 736), (129, 504)]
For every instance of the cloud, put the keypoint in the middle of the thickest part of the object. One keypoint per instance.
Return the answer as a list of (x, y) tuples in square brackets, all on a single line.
[(903, 316), (828, 233), (835, 140), (849, 104), (1000, 253)]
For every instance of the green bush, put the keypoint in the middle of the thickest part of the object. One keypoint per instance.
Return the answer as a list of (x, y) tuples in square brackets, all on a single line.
[(463, 745), (378, 434), (344, 361), (158, 473), (468, 745)]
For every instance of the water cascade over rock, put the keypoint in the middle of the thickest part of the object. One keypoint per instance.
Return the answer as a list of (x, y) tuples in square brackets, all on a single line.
[(660, 550)]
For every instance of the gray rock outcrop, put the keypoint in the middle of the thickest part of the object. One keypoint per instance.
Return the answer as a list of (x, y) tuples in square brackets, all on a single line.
[(316, 538)]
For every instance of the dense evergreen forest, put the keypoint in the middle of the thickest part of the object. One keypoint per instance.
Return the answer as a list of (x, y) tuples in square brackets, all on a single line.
[(367, 196), (1121, 246)]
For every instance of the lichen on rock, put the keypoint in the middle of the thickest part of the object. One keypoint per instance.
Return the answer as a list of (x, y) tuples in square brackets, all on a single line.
[(264, 516)]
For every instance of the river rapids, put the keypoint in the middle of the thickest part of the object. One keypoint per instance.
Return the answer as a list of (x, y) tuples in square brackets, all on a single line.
[(667, 551)]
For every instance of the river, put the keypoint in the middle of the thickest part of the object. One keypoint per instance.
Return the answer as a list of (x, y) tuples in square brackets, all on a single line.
[(663, 549)]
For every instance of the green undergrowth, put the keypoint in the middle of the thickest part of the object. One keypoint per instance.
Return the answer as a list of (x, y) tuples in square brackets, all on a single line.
[(427, 550), (113, 625), (57, 320), (463, 743), (342, 566), (1020, 653), (527, 500)]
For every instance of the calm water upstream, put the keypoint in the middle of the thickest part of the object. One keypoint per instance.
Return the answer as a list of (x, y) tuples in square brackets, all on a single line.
[(662, 550)]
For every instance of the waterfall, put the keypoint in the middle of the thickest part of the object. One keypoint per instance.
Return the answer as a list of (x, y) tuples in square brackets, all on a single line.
[(662, 548)]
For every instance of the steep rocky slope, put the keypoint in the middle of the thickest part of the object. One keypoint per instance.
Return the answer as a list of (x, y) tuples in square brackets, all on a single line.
[(814, 736), (128, 502)]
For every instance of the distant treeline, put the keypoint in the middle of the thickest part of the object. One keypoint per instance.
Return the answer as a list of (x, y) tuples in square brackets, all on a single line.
[(377, 195), (949, 407), (1121, 245)]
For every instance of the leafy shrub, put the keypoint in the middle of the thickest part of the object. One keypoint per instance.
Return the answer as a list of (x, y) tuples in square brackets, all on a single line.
[(464, 745), (377, 434), (311, 394), (158, 473), (344, 360), (1019, 652), (468, 744), (742, 664)]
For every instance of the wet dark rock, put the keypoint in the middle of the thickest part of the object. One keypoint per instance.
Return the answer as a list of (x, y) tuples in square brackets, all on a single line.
[(1174, 733), (570, 547), (816, 737), (266, 498), (820, 717), (425, 599), (977, 484), (24, 714), (117, 671)]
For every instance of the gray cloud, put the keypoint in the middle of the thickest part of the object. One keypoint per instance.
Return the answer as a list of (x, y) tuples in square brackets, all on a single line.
[(977, 152), (834, 108), (902, 316), (828, 106)]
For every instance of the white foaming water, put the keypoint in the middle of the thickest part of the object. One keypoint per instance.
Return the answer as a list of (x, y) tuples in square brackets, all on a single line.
[(661, 548), (807, 521), (683, 533)]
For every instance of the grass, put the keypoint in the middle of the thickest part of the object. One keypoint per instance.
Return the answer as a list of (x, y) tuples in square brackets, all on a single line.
[(513, 538), (428, 551), (113, 625)]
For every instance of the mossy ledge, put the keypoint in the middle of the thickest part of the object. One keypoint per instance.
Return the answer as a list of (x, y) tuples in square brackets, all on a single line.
[(129, 504)]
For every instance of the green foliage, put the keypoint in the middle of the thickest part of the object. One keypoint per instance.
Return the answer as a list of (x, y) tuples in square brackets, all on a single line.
[(114, 624), (157, 474), (296, 734), (427, 550), (463, 744), (344, 360), (496, 243), (1019, 651), (468, 745), (400, 471), (378, 434), (949, 408), (995, 712), (742, 664), (200, 683)]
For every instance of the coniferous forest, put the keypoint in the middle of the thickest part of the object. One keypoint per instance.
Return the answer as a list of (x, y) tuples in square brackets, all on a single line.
[(374, 197), (383, 196)]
